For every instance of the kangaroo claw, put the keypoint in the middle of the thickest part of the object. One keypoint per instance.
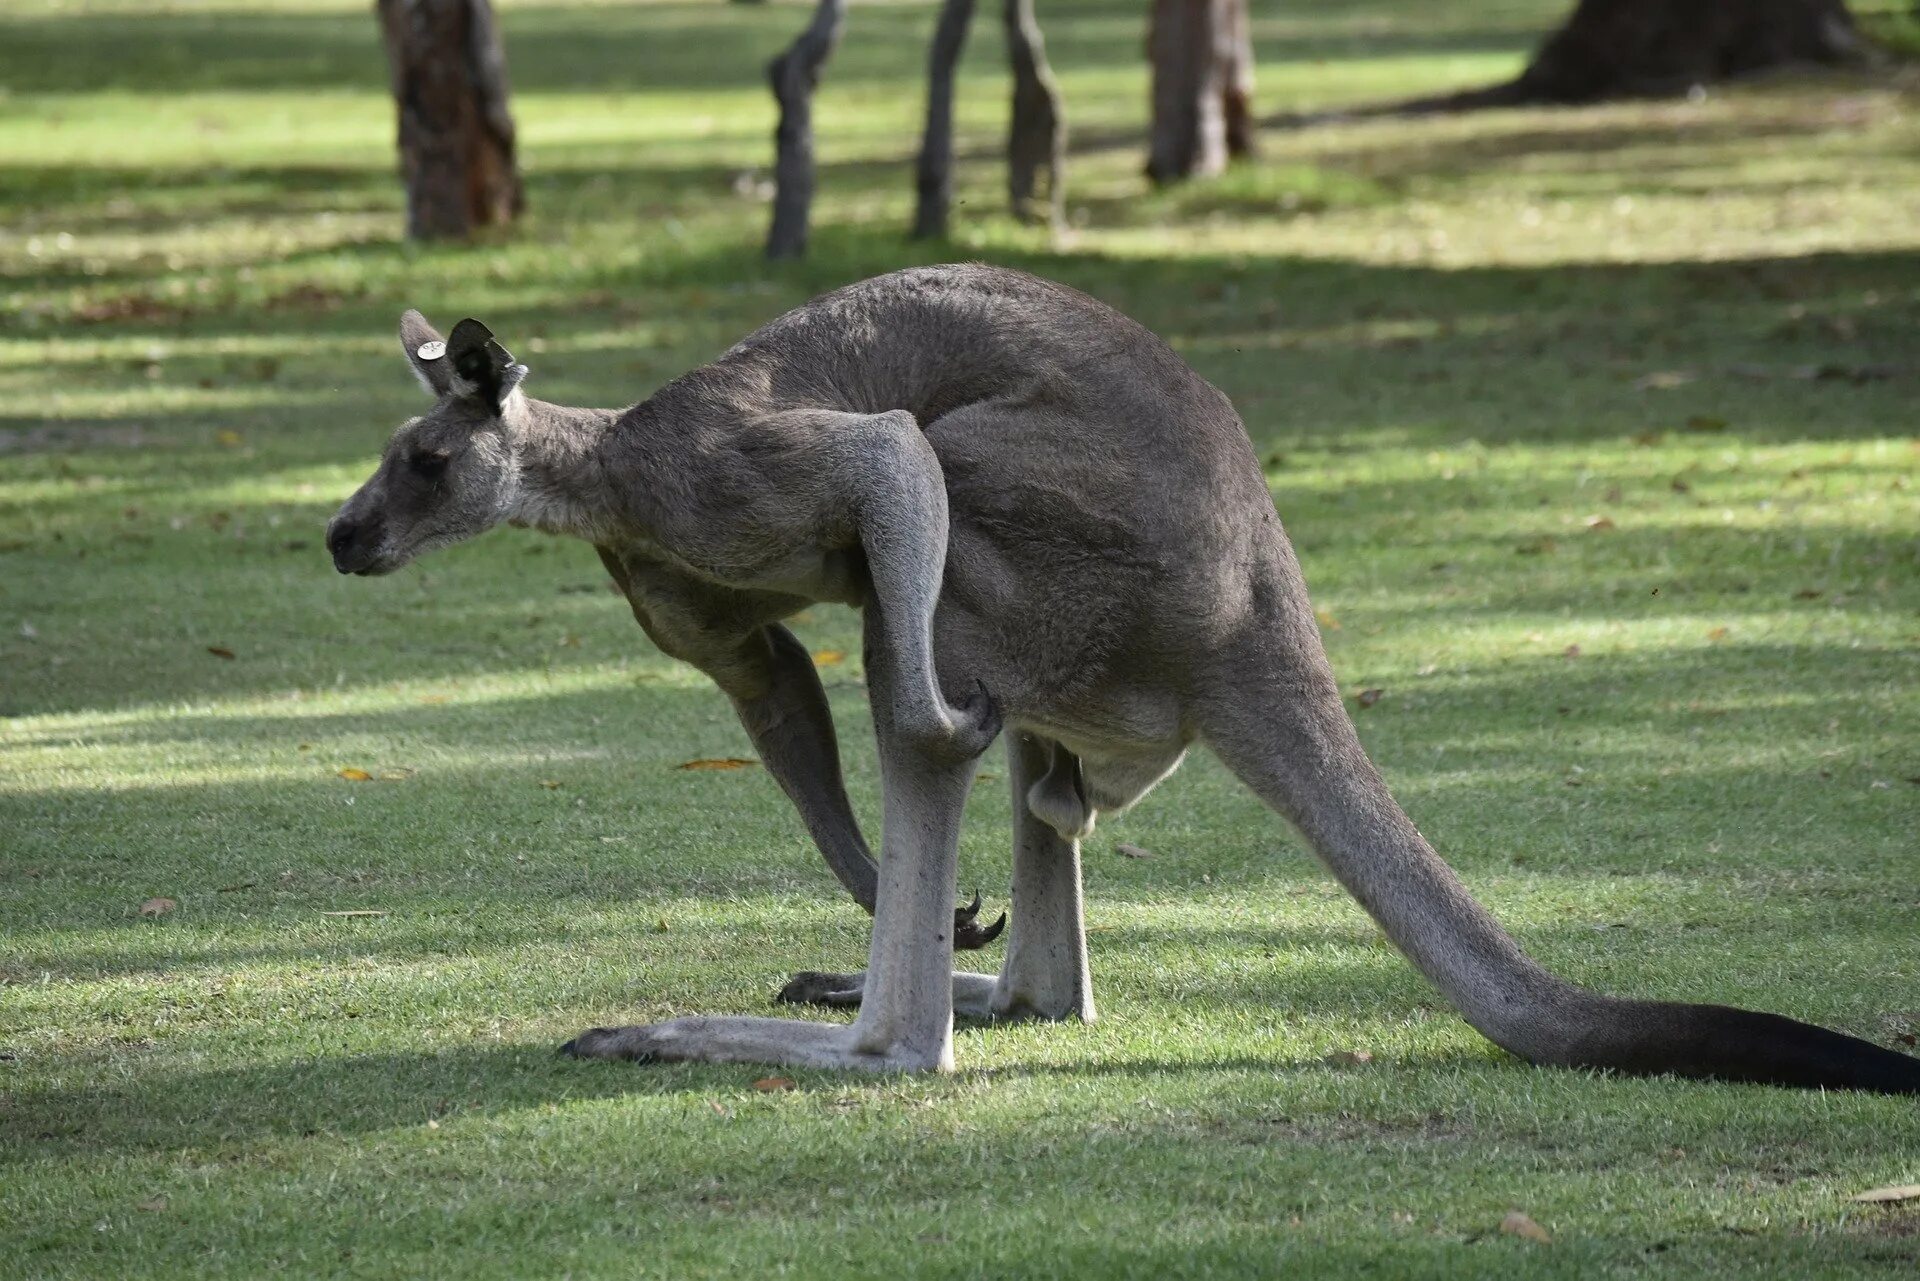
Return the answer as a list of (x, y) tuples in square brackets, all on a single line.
[(968, 934)]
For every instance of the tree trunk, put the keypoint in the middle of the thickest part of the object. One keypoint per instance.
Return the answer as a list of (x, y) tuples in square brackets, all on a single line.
[(1628, 48), (1202, 81), (933, 176), (449, 80), (1649, 49), (1238, 88), (1037, 136), (794, 75)]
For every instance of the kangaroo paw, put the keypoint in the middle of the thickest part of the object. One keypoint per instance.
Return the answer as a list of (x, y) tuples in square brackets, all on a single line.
[(968, 934)]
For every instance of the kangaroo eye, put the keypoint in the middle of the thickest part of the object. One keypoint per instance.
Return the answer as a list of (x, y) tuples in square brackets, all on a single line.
[(429, 465)]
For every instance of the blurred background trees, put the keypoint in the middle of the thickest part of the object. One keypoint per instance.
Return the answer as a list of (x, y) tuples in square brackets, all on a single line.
[(456, 132), (1201, 53), (1656, 48)]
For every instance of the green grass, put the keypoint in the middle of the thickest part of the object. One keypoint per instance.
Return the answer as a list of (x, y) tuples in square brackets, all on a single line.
[(1524, 381)]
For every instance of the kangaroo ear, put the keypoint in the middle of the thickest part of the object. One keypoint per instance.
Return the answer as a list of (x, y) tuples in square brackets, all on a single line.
[(426, 353), (482, 368)]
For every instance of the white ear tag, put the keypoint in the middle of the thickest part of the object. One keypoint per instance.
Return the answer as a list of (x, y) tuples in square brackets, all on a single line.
[(431, 350)]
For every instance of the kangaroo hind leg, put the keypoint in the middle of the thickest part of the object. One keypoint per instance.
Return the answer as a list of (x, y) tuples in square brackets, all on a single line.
[(906, 1020), (1046, 975)]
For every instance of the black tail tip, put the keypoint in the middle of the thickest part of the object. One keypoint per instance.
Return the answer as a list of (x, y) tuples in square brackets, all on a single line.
[(1724, 1044)]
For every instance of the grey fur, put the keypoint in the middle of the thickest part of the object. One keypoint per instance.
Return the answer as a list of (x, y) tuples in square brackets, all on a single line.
[(1048, 519)]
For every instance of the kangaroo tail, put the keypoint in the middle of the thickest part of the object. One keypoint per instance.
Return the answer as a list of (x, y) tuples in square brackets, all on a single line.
[(1300, 753)]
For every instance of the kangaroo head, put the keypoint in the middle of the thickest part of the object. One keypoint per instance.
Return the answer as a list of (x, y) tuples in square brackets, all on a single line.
[(448, 474)]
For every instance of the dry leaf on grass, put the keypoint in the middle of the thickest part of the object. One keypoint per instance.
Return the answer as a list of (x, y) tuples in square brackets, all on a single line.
[(353, 774), (1600, 524), (157, 907), (359, 911), (1517, 1224), (551, 784), (1348, 1058), (717, 762), (1131, 851), (1718, 634), (1664, 380), (828, 657), (1327, 620), (221, 651), (1368, 697), (771, 1084), (152, 1205), (719, 1108), (1889, 1195)]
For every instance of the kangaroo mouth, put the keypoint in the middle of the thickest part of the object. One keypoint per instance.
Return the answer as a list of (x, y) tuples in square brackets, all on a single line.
[(374, 566)]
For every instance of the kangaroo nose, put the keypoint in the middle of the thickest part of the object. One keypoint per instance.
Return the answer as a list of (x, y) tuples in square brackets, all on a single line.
[(345, 541)]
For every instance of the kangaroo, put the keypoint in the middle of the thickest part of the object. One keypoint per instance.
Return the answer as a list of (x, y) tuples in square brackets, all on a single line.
[(1051, 525)]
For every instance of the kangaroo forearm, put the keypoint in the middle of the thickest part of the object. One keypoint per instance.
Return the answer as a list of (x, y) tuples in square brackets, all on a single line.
[(792, 729)]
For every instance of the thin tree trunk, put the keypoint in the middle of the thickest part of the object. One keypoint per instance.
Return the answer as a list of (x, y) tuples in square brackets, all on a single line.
[(1237, 104), (1202, 78), (933, 176), (1037, 135), (794, 75), (449, 79)]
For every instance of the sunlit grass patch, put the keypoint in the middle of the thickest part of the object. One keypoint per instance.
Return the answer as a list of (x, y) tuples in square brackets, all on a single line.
[(1593, 430)]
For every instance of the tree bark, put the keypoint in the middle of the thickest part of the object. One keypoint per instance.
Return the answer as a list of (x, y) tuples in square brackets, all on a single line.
[(794, 75), (1202, 84), (449, 80), (1633, 48), (1648, 49), (933, 175), (1037, 134)]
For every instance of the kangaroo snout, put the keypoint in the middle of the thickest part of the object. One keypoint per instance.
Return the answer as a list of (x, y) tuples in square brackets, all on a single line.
[(354, 544)]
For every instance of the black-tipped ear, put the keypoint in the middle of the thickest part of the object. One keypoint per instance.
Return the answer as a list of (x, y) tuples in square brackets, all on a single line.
[(482, 368), (426, 353)]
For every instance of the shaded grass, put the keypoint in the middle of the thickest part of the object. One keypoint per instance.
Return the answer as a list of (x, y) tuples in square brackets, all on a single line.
[(1636, 381)]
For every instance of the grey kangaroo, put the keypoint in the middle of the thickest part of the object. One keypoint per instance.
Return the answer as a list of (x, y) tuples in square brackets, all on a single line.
[(1051, 525)]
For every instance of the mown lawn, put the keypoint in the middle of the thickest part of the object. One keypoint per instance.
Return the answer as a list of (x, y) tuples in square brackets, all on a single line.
[(1594, 430)]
